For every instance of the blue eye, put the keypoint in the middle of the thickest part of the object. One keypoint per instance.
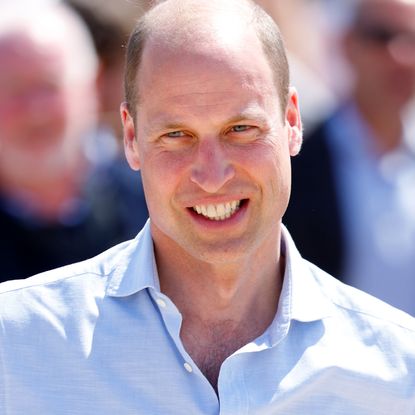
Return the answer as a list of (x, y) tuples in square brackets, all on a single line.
[(240, 128), (175, 134)]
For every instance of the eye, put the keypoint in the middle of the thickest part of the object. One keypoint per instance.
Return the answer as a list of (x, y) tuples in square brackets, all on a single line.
[(240, 128), (242, 133), (176, 138), (175, 134)]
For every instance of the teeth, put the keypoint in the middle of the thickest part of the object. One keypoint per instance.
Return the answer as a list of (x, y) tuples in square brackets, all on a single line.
[(221, 211), (211, 211)]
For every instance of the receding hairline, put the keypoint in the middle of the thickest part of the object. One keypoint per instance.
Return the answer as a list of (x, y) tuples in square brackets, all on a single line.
[(189, 17)]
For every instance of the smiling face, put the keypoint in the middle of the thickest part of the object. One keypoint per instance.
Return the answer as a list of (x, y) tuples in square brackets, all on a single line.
[(213, 146)]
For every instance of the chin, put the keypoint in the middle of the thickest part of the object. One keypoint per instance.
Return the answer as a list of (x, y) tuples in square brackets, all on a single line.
[(224, 252)]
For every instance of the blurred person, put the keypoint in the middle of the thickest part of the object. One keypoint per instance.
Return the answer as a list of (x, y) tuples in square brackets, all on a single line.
[(311, 61), (54, 209), (109, 24), (211, 309), (352, 209), (110, 35)]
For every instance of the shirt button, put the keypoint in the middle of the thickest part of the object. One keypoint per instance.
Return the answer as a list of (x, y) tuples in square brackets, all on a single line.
[(188, 367), (161, 303)]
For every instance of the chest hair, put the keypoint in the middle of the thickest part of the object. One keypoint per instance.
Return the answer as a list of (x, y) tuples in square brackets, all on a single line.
[(209, 344)]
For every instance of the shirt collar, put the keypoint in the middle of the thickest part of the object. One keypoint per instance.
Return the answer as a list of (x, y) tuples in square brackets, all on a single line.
[(301, 296), (135, 269)]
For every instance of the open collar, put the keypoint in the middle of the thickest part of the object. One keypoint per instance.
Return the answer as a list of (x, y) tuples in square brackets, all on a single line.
[(301, 298), (135, 268)]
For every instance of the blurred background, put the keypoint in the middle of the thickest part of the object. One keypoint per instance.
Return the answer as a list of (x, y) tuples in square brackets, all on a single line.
[(66, 192)]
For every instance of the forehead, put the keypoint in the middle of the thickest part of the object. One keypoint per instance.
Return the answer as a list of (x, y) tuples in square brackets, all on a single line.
[(20, 53), (204, 85), (205, 64)]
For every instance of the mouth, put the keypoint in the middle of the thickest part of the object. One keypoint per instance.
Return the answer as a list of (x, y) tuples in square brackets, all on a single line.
[(220, 211)]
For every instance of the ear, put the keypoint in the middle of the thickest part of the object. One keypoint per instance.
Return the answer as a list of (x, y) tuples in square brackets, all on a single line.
[(130, 141), (293, 123)]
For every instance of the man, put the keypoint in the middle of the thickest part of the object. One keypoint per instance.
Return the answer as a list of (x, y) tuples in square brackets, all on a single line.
[(55, 208), (353, 182), (210, 309)]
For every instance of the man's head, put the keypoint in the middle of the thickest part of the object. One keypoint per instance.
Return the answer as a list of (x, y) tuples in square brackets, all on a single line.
[(255, 17), (47, 99), (213, 131), (380, 45)]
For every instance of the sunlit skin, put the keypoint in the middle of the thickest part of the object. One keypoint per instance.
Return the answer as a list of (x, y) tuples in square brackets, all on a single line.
[(209, 130)]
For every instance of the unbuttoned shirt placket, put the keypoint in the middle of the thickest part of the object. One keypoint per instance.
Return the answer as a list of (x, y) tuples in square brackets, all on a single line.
[(233, 389)]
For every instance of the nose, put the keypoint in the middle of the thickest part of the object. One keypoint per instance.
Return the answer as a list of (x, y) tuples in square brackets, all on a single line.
[(212, 168)]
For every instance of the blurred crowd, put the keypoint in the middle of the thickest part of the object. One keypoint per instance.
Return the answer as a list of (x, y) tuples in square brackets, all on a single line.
[(66, 192), (352, 210)]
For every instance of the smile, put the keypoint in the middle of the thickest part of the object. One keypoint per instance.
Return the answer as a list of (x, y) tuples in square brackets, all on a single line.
[(220, 211)]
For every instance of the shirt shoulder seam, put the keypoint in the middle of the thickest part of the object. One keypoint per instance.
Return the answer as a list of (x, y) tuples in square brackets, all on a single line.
[(377, 317)]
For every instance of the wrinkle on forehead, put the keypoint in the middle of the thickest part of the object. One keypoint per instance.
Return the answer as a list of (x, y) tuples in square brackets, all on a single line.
[(204, 75)]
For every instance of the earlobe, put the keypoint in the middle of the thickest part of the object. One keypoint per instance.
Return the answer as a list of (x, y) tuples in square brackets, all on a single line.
[(130, 141), (293, 121)]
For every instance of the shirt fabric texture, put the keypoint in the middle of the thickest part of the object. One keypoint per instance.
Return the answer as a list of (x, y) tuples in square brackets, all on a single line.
[(98, 337)]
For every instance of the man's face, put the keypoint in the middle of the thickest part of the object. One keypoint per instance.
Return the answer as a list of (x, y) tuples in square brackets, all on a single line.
[(44, 113), (214, 147), (32, 100), (381, 49)]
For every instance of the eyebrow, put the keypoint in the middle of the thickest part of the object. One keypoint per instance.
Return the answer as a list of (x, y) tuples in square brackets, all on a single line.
[(160, 126)]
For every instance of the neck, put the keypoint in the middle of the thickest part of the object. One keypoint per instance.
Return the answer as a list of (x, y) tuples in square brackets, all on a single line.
[(43, 182), (216, 291), (45, 198), (224, 306), (385, 123)]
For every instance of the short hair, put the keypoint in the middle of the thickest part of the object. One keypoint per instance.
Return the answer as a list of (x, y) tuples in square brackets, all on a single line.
[(265, 27)]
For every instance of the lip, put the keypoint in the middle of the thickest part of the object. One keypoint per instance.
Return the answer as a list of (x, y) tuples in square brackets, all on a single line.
[(214, 224)]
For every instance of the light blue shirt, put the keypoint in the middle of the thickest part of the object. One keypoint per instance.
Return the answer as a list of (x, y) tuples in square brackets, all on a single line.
[(99, 337)]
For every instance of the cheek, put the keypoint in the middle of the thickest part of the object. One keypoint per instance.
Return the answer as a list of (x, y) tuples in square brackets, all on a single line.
[(274, 165), (272, 153), (10, 118), (162, 174)]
